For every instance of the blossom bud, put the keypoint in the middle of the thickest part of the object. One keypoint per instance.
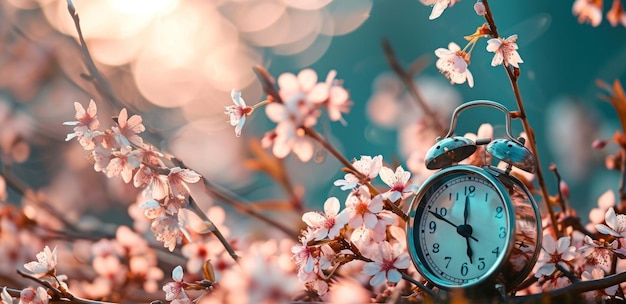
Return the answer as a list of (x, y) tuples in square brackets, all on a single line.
[(27, 295), (564, 187), (598, 144), (479, 8)]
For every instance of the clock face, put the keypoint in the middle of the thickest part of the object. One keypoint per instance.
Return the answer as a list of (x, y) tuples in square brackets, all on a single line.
[(461, 229)]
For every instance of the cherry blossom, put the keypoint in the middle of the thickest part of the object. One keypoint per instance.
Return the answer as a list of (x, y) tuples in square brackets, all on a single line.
[(197, 253), (333, 96), (452, 63), (178, 178), (123, 163), (167, 230), (598, 252), (594, 296), (597, 215), (31, 296), (385, 264), (366, 165), (287, 138), (588, 11), (174, 291), (5, 297), (438, 7), (363, 236), (616, 15), (127, 130), (615, 224), (329, 223), (554, 253), (303, 255), (46, 262), (479, 8), (505, 51), (86, 125), (237, 112), (399, 183), (362, 208)]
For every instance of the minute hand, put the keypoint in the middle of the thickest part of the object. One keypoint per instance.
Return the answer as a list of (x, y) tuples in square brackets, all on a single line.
[(438, 216)]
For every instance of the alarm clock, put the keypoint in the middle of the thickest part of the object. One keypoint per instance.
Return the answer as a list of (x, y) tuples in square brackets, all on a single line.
[(471, 227)]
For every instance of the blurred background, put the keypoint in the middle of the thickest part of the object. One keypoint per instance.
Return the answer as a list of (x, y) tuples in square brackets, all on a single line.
[(174, 62)]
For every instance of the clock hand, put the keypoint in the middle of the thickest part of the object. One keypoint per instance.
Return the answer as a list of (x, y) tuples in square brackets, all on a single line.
[(466, 211), (438, 216), (469, 250), (465, 216)]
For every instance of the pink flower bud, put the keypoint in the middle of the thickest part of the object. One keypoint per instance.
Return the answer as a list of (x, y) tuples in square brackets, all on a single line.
[(27, 295), (564, 187), (598, 144), (479, 8)]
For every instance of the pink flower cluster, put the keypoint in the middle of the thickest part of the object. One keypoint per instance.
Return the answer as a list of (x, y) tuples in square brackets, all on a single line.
[(357, 234), (120, 151)]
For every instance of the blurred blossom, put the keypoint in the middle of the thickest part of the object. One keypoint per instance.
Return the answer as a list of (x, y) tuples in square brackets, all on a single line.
[(606, 201), (348, 290), (616, 15), (588, 11)]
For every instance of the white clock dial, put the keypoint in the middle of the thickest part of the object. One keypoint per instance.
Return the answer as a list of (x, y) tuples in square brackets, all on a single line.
[(462, 228)]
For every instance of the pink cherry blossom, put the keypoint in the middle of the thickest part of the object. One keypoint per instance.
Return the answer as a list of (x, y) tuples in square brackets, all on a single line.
[(303, 255), (364, 237), (123, 163), (127, 130), (86, 125), (554, 253), (615, 224), (399, 183), (178, 178), (385, 264), (329, 223), (366, 165), (362, 208), (31, 296), (597, 215), (616, 15), (287, 139), (174, 291), (167, 230), (598, 252), (331, 95), (46, 262), (588, 11), (479, 8), (452, 63), (505, 51), (197, 253), (5, 297), (155, 183), (237, 112), (438, 7)]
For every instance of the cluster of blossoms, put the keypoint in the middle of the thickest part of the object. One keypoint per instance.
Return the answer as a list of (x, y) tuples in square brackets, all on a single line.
[(590, 11), (120, 151), (294, 109), (365, 232)]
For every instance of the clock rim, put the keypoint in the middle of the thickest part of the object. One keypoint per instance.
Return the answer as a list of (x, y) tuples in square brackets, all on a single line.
[(421, 266)]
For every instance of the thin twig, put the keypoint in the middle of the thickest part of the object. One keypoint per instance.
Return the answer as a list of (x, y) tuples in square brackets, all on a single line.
[(513, 77), (575, 288), (561, 197), (61, 294), (390, 205), (196, 209), (407, 79), (622, 178)]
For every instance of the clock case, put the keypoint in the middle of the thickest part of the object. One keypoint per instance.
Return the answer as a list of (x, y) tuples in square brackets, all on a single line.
[(524, 238)]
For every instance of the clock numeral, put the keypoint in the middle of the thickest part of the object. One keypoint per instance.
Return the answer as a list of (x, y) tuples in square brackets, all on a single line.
[(486, 196), (442, 211), (481, 263), (470, 191), (433, 226), (435, 247), (499, 212), (464, 269), (448, 259), (496, 251), (502, 233)]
